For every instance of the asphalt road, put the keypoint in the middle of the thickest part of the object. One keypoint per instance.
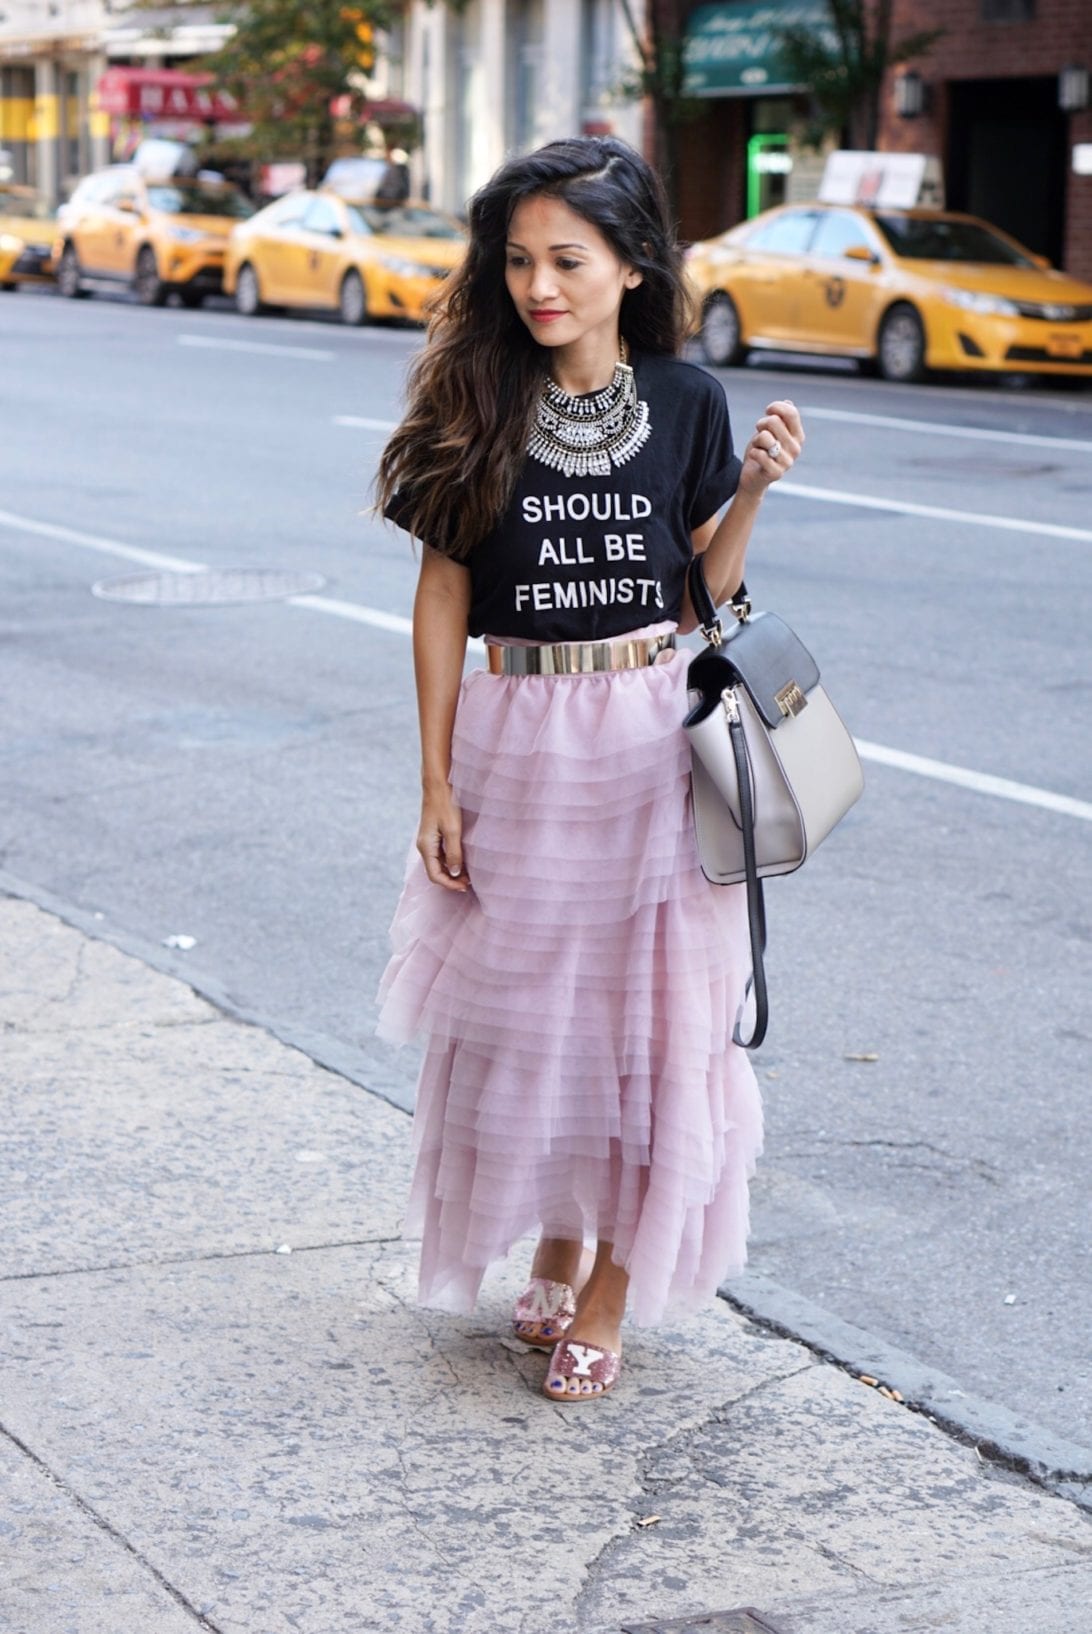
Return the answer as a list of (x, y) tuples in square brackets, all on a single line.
[(246, 775)]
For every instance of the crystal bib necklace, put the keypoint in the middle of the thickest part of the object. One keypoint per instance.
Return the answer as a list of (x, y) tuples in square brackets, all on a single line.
[(586, 436)]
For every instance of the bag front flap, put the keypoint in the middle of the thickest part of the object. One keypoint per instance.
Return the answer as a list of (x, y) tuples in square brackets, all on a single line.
[(768, 658)]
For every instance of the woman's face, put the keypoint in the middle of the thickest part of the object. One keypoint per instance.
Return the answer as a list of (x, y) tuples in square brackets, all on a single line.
[(564, 277)]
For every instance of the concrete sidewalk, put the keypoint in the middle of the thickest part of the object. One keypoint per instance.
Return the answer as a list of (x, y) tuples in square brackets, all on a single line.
[(222, 1409)]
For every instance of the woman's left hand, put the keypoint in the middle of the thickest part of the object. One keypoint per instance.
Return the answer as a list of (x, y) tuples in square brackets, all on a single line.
[(774, 448)]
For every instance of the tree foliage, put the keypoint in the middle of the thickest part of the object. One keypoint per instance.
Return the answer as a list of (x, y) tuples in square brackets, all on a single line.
[(297, 70), (844, 68), (660, 70)]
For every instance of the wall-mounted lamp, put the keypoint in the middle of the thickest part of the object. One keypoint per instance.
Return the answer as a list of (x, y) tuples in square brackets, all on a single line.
[(910, 95), (1073, 88)]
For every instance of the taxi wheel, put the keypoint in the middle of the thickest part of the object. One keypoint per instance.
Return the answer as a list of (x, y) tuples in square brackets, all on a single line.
[(352, 299), (150, 288), (248, 295), (9, 289), (68, 274), (720, 332), (900, 353)]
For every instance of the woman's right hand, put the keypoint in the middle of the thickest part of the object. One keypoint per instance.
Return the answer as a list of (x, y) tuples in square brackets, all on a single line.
[(440, 840)]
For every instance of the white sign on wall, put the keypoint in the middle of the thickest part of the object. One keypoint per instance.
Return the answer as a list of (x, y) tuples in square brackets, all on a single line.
[(1082, 158)]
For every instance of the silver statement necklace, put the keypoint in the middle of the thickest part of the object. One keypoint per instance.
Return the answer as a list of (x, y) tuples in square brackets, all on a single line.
[(586, 436)]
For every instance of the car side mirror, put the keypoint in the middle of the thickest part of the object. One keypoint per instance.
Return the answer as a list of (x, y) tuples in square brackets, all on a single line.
[(1043, 261), (861, 252), (130, 206)]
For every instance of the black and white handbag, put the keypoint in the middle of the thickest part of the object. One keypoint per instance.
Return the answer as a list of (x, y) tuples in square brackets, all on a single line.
[(774, 767)]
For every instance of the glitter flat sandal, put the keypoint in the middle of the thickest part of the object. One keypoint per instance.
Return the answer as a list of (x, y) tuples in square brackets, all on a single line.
[(543, 1312), (586, 1372)]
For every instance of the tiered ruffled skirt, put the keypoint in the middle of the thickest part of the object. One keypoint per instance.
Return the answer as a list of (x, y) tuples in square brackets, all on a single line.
[(578, 1002)]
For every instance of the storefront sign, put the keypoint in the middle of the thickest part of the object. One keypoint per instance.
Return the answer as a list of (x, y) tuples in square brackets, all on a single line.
[(164, 93), (732, 49)]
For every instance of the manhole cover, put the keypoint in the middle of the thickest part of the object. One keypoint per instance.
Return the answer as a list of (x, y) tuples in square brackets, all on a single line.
[(208, 586), (743, 1620)]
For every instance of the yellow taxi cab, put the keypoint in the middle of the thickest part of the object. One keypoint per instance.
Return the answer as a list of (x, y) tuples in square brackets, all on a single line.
[(902, 290), (27, 226), (153, 236), (363, 260)]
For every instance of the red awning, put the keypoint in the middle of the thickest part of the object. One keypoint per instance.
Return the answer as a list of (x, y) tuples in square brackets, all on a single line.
[(389, 111), (166, 93)]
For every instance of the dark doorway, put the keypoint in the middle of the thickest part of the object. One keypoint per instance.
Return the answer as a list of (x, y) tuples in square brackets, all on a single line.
[(1007, 155)]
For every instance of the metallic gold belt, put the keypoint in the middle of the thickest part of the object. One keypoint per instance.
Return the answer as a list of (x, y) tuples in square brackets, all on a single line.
[(578, 657)]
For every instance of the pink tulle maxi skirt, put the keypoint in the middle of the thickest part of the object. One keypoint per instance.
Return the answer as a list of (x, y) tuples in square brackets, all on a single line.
[(578, 1002)]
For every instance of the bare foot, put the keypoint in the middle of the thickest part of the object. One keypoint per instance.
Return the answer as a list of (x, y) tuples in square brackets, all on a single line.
[(562, 1260)]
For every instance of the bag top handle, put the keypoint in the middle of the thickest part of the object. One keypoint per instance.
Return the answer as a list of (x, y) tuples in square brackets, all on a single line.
[(702, 603)]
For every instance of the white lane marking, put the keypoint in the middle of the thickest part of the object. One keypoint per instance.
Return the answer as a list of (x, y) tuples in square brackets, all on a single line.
[(109, 547), (981, 782), (1002, 788), (393, 622), (939, 429), (270, 348), (842, 496), (367, 615), (225, 321), (906, 507)]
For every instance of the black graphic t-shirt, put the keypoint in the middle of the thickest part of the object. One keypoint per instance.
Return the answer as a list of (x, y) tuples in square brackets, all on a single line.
[(590, 558)]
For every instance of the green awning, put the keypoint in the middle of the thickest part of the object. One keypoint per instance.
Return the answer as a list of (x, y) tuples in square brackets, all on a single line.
[(731, 48)]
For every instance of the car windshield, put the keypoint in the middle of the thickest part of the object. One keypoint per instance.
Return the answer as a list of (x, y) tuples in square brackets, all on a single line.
[(200, 199), (920, 239), (20, 201), (407, 221)]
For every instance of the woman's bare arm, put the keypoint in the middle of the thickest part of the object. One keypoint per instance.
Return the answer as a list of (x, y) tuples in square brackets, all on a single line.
[(440, 612), (724, 544)]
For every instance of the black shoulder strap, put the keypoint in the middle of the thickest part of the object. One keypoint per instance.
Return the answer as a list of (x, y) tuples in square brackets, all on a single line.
[(703, 604), (756, 900)]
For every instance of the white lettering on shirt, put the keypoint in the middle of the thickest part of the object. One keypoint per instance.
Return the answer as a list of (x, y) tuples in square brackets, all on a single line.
[(560, 555), (547, 595), (620, 549), (554, 594), (579, 507)]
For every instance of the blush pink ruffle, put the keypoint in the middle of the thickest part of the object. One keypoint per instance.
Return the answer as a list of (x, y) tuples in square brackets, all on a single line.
[(578, 1003)]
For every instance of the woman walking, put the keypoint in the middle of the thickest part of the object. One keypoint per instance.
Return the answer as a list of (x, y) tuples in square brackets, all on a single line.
[(575, 975)]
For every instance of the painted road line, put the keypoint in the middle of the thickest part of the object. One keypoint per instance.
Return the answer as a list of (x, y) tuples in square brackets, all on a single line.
[(1002, 788), (1025, 439), (310, 353), (108, 547), (842, 496), (367, 615), (906, 507)]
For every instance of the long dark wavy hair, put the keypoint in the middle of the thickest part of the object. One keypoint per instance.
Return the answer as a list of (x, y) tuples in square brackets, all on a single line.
[(457, 453)]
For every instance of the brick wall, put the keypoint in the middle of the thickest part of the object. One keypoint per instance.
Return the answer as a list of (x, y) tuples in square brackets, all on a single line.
[(711, 150), (1060, 33), (712, 162), (1078, 237)]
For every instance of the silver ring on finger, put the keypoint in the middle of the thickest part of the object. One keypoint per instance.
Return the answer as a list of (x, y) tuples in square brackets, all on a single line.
[(774, 450)]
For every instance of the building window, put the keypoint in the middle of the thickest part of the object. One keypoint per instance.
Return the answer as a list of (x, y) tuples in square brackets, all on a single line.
[(1008, 11), (601, 53), (526, 38), (70, 125)]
